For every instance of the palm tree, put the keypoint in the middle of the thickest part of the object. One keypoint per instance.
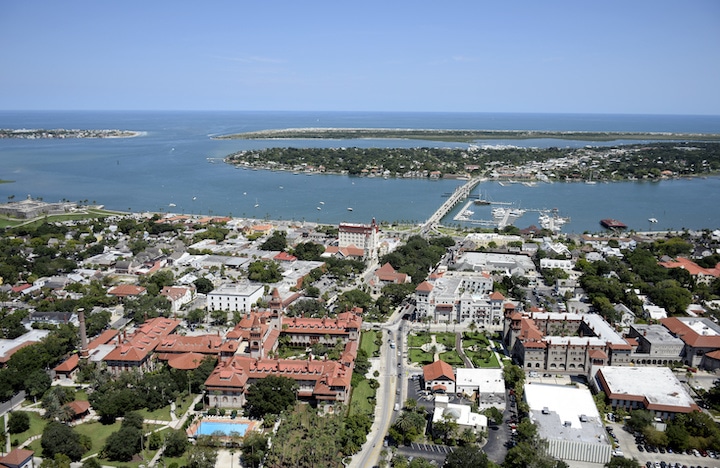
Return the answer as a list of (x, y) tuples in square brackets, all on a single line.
[(404, 422)]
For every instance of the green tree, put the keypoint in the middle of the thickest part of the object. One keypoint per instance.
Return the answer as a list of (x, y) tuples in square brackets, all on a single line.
[(91, 463), (176, 442), (203, 285), (59, 438), (264, 271), (253, 450), (195, 316), (126, 442), (308, 251), (467, 456), (201, 457), (270, 395), (639, 419), (512, 375), (620, 462), (18, 422), (354, 298), (277, 241), (60, 460)]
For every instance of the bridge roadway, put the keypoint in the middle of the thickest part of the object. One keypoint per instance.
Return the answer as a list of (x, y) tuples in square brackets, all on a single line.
[(459, 194)]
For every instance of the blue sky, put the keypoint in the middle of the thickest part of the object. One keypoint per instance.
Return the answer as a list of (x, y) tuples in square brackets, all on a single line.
[(639, 56)]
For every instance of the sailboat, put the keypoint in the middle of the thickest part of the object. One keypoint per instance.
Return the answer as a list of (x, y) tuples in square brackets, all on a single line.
[(256, 203)]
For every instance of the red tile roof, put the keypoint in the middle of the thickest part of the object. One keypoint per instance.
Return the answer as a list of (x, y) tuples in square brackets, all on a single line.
[(692, 267), (125, 290), (388, 274), (16, 457), (437, 370), (424, 287), (690, 336), (186, 361), (497, 296), (68, 365), (285, 257), (104, 338), (78, 407)]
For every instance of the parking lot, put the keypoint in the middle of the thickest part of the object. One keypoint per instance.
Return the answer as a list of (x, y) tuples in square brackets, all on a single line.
[(629, 448)]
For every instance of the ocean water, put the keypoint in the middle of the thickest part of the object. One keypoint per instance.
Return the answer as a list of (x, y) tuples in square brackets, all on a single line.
[(175, 162)]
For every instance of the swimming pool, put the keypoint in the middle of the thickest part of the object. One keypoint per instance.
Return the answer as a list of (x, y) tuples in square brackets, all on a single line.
[(226, 427)]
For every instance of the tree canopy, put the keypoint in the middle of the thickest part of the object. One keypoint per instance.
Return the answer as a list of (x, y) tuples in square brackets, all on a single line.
[(60, 438), (271, 395)]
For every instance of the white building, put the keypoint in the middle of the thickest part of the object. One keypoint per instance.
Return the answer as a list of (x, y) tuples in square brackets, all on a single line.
[(567, 418), (459, 296), (554, 263), (461, 414), (655, 389), (487, 384), (235, 297)]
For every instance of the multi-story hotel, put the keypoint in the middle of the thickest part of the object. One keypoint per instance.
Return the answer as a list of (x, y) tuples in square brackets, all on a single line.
[(362, 236), (460, 296)]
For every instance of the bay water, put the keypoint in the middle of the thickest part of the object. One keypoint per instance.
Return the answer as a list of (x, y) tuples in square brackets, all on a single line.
[(175, 166)]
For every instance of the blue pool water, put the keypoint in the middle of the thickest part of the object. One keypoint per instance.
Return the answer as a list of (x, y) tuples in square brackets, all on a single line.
[(210, 427)]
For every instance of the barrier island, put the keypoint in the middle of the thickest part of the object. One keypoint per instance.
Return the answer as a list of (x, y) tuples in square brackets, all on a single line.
[(459, 136)]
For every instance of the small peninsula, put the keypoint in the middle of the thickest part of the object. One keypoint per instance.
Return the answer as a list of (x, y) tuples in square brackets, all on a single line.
[(459, 136), (35, 134)]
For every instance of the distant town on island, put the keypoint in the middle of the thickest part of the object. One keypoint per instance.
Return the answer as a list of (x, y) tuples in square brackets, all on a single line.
[(33, 134), (628, 162)]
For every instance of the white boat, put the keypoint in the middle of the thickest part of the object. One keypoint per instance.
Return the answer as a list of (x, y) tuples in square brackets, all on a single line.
[(256, 203), (349, 209), (322, 202), (653, 220), (318, 208), (172, 204)]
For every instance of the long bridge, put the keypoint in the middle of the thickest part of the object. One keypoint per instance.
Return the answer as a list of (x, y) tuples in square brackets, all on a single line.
[(458, 195)]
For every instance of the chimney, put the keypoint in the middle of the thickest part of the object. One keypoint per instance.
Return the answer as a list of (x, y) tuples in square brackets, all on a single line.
[(83, 333)]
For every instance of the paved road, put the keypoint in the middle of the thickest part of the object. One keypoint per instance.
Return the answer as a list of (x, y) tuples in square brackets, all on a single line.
[(386, 397)]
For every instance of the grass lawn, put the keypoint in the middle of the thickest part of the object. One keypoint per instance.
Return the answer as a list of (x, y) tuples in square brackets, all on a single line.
[(162, 414), (367, 342), (420, 356), (35, 447), (135, 463), (474, 339), (452, 358), (359, 403), (37, 424), (182, 404), (417, 339), (447, 339), (181, 461), (476, 358), (98, 433)]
